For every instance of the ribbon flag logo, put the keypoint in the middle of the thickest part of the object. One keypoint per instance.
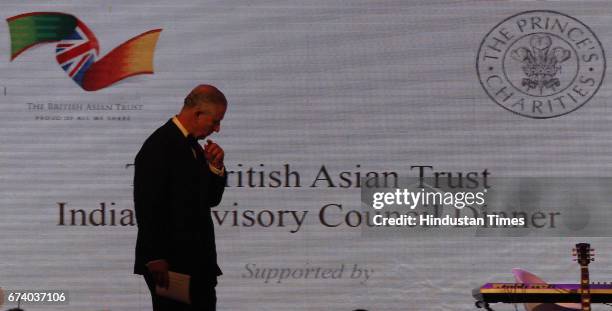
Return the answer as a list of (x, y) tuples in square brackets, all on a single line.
[(77, 48)]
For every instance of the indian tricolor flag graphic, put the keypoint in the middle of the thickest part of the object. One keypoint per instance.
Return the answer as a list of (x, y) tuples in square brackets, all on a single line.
[(77, 48)]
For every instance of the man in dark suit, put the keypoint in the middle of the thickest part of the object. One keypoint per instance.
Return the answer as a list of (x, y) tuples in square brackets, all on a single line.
[(176, 182)]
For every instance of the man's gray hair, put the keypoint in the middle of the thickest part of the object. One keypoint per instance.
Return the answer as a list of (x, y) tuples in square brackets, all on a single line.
[(205, 94)]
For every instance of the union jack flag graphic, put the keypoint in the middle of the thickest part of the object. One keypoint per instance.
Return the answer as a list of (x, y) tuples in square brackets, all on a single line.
[(77, 52), (77, 49)]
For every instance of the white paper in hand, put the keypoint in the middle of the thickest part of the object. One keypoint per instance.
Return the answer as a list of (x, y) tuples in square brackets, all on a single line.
[(178, 287)]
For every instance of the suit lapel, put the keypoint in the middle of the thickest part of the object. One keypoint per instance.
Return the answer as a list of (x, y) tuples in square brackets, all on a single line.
[(186, 153)]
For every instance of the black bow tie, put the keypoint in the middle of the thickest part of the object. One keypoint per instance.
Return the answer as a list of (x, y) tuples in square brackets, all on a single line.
[(197, 148)]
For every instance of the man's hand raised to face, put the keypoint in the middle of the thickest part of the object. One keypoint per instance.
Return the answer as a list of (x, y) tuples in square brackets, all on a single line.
[(214, 154)]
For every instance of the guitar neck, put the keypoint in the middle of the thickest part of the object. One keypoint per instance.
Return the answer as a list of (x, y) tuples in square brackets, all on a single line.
[(585, 293)]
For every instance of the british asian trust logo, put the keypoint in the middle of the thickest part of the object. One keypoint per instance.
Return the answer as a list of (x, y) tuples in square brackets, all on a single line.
[(541, 64), (77, 48)]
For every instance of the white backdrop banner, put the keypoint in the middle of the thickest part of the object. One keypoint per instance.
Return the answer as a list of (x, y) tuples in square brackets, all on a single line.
[(323, 95)]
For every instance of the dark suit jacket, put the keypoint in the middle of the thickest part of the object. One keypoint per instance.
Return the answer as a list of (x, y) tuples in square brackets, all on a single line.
[(173, 194)]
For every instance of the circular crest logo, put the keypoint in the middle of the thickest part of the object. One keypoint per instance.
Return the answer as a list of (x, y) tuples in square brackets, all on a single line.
[(541, 64)]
